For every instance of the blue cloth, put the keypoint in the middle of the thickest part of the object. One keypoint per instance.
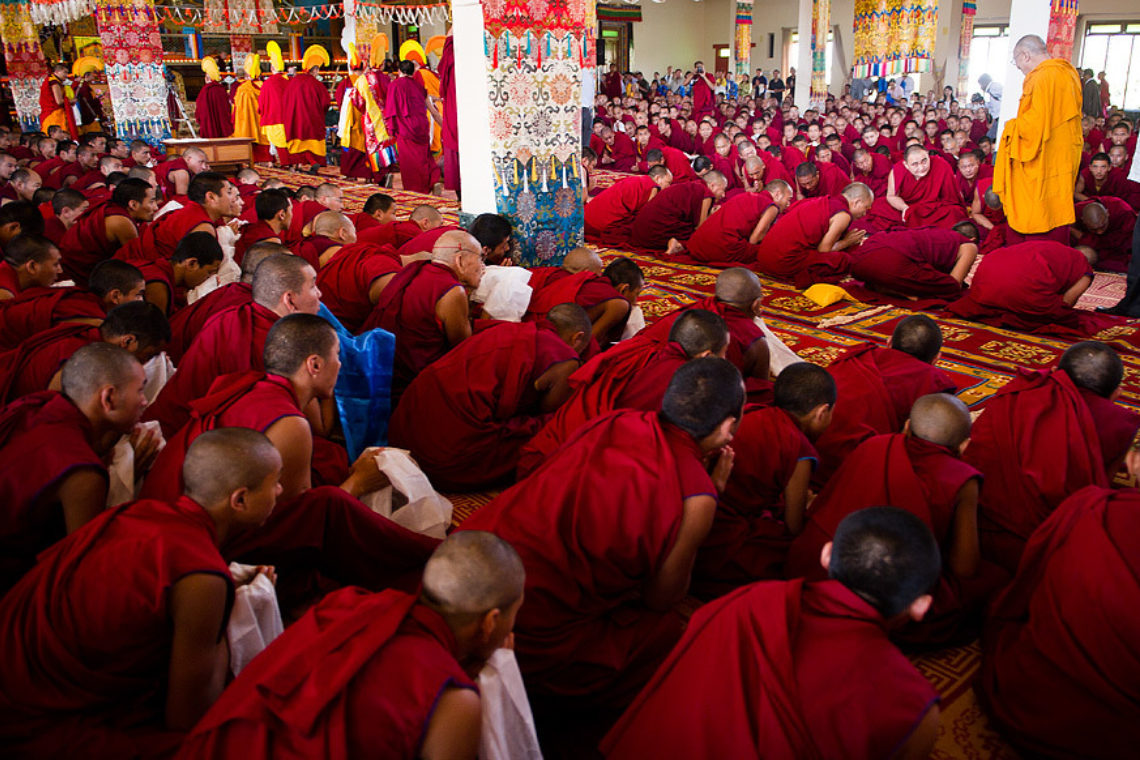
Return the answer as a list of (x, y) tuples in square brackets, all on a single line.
[(364, 386)]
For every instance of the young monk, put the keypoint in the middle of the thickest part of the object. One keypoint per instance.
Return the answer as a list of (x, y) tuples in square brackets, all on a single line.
[(331, 231), (116, 282), (878, 386), (131, 612), (410, 686), (30, 261), (1098, 179), (197, 258), (174, 174), (1044, 436), (815, 181), (733, 233), (1105, 225), (379, 210), (672, 159), (608, 216), (421, 219), (805, 670), (674, 214), (212, 199), (52, 466), (600, 599), (67, 206), (274, 218), (493, 231), (809, 243), (466, 416), (608, 295), (426, 307), (235, 340), (632, 375), (763, 504), (924, 263), (1064, 626)]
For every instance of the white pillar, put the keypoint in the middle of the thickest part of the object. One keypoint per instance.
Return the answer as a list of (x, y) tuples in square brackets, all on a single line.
[(1025, 17), (473, 108), (803, 59)]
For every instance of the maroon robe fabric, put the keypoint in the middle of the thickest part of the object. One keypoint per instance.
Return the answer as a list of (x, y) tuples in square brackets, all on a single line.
[(910, 262), (465, 417), (804, 671), (187, 322), (359, 671), (38, 309), (405, 114), (424, 242), (214, 111), (672, 213), (346, 278), (584, 629), (160, 238), (790, 249), (704, 95), (609, 215), (1114, 245), (449, 135), (90, 633), (676, 162), (163, 171), (622, 152), (554, 285), (250, 234), (394, 234), (832, 181), (303, 106), (314, 247), (723, 240), (932, 201), (86, 181), (29, 367), (1059, 672)]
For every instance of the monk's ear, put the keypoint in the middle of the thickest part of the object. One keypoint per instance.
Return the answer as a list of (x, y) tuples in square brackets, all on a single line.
[(906, 429), (919, 607), (963, 446), (825, 556), (579, 341), (489, 623), (238, 501), (190, 263), (126, 342)]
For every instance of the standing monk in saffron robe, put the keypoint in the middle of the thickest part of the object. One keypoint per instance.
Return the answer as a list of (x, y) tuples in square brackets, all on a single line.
[(271, 104), (247, 119), (733, 233), (304, 106), (804, 670), (601, 599), (450, 116), (212, 106), (55, 108), (1040, 154), (405, 118)]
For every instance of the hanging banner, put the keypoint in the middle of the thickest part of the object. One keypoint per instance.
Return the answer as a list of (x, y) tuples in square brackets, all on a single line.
[(25, 60), (1062, 27), (894, 36), (820, 24), (969, 10), (136, 75), (742, 47)]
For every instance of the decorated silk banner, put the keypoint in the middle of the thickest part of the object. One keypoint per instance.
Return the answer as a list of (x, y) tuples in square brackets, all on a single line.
[(969, 10), (1062, 27), (239, 17), (742, 48), (820, 23), (25, 60), (136, 76), (241, 45), (894, 36)]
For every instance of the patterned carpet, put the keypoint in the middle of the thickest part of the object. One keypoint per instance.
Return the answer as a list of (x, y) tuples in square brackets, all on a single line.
[(981, 359)]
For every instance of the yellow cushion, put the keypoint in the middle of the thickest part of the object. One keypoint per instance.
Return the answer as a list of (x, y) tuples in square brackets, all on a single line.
[(825, 295)]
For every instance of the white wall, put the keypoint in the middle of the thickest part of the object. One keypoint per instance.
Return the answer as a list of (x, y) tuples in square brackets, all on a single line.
[(678, 32)]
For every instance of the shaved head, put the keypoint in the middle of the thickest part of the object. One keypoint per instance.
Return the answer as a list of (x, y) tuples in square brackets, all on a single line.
[(426, 216), (940, 418), (1094, 216), (471, 573), (857, 191), (583, 259), (257, 253), (225, 460), (293, 339), (777, 186), (278, 275), (94, 367), (714, 177), (451, 244), (568, 319), (329, 223), (738, 286), (919, 336), (698, 331), (1031, 44), (1094, 366)]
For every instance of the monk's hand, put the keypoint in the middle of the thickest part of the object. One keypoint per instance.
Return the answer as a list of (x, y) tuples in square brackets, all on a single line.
[(1132, 463), (365, 476), (723, 468), (853, 238), (269, 571), (146, 444)]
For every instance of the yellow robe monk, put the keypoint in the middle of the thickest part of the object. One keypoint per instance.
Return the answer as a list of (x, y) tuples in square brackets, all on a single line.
[(431, 84), (1040, 152), (247, 119)]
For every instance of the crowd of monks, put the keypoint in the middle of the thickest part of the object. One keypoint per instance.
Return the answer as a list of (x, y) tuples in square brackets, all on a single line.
[(820, 521)]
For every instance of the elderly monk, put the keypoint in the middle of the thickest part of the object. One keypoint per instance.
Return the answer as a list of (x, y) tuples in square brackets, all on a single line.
[(106, 227), (1040, 153), (303, 106), (274, 218), (922, 191), (406, 116), (212, 108), (1044, 436), (672, 216), (878, 387), (600, 613), (607, 295), (615, 150), (610, 214), (1064, 626), (1105, 226), (762, 507), (733, 234), (920, 263), (632, 375), (922, 470), (872, 169), (404, 677), (466, 417), (805, 670), (234, 340), (54, 446), (34, 365), (130, 613), (30, 261), (211, 200), (808, 244), (426, 305), (1029, 286)]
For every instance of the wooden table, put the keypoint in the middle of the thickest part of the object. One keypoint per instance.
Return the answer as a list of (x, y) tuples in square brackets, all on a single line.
[(229, 152)]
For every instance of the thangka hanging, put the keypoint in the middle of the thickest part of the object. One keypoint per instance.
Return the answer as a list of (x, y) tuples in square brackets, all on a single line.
[(1062, 27), (820, 23), (25, 59), (136, 76), (969, 10), (894, 36), (743, 43), (241, 17)]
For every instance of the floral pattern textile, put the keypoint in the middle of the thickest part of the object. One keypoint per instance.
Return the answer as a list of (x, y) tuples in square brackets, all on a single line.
[(894, 36), (820, 25), (25, 59), (742, 48), (1062, 27), (969, 10), (136, 75)]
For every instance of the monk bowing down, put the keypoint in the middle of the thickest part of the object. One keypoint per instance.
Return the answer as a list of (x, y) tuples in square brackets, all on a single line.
[(609, 215), (673, 215), (608, 295), (734, 232), (921, 263), (465, 417)]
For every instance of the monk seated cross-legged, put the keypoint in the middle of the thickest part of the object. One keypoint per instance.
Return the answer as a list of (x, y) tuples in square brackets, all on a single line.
[(392, 671), (672, 216), (733, 234), (809, 243), (600, 598), (921, 470), (802, 670), (920, 263), (921, 192), (609, 215), (1044, 436), (465, 416), (130, 612), (762, 507), (633, 375)]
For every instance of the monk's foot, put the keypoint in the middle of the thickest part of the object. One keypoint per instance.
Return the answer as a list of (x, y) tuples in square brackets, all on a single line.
[(437, 188), (674, 247)]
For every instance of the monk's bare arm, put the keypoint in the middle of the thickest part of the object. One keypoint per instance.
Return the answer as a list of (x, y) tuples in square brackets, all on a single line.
[(921, 741), (796, 496), (763, 225), (706, 207), (976, 213), (293, 439), (321, 414), (205, 227), (965, 553), (554, 385), (607, 314), (454, 728), (157, 294), (120, 229), (199, 657), (57, 94), (837, 237), (377, 287), (893, 197), (1074, 293), (671, 583), (967, 252), (83, 495), (6, 295), (1079, 190), (758, 360), (435, 114), (452, 311)]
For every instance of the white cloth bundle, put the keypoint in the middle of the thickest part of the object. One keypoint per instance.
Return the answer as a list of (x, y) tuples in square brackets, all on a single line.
[(121, 473), (227, 273), (635, 323), (167, 208), (504, 292), (158, 371), (779, 355), (255, 620), (425, 512), (508, 725)]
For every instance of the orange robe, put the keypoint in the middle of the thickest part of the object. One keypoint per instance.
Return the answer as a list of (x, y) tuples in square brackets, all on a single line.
[(247, 119)]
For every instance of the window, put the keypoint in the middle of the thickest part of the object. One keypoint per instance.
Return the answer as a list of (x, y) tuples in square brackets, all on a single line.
[(794, 53), (989, 54), (1115, 49)]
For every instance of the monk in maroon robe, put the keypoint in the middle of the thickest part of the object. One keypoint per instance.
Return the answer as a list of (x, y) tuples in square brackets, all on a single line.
[(672, 159), (450, 133), (672, 216), (1058, 669), (703, 91), (106, 227), (921, 192), (732, 235), (406, 116), (817, 180), (214, 111), (599, 615), (274, 211), (1098, 180), (609, 214), (929, 263), (1105, 225), (423, 242), (212, 200), (303, 105), (607, 295), (804, 670), (352, 280), (1041, 438), (37, 309), (615, 150)]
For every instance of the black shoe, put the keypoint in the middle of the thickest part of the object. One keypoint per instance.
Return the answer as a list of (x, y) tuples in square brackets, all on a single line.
[(1119, 310)]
